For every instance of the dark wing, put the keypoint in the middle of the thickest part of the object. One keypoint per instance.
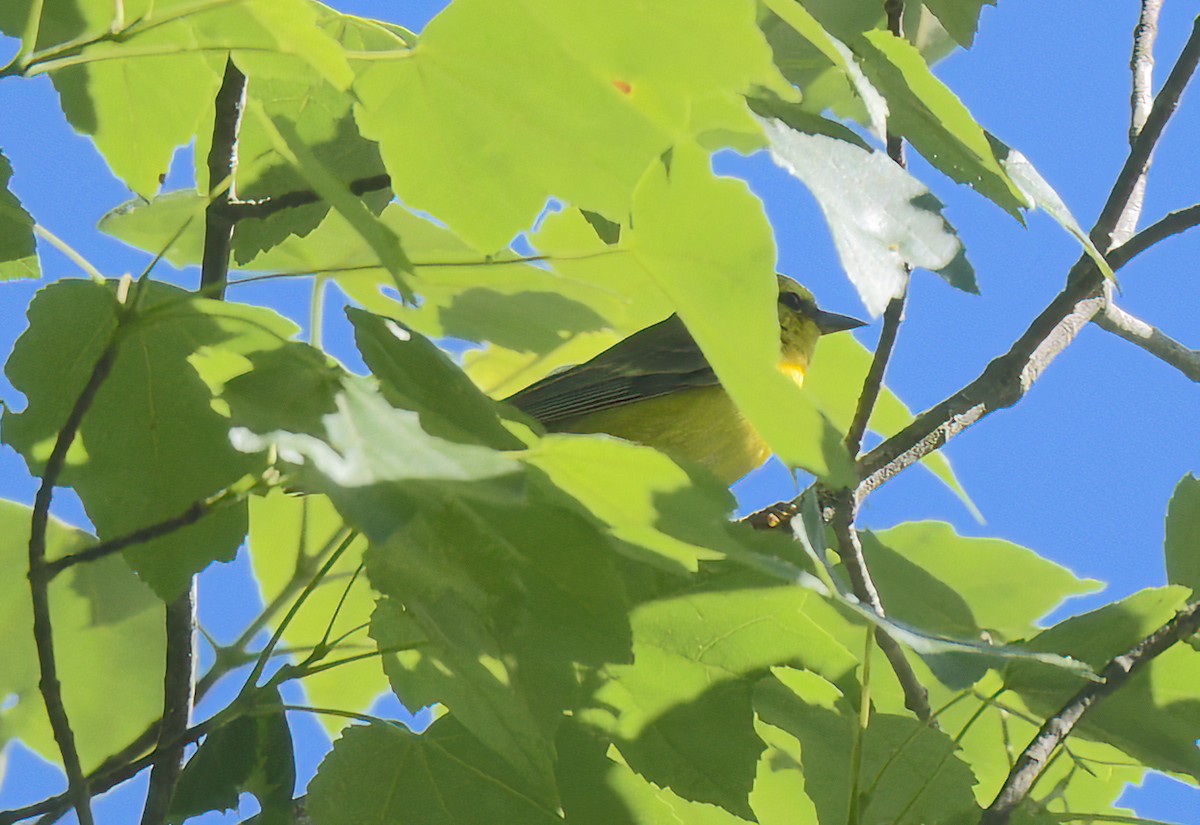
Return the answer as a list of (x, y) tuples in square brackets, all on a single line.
[(655, 361)]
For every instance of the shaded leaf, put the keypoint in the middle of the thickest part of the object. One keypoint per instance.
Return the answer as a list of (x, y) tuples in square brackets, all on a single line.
[(252, 754), (926, 112), (444, 776)]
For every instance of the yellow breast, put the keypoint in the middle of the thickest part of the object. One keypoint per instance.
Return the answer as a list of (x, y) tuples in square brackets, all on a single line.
[(701, 425)]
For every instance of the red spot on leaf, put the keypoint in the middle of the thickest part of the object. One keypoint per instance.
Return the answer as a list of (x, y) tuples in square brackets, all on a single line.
[(622, 87)]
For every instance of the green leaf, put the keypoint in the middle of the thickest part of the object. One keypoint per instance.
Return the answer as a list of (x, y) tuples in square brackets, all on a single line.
[(884, 221), (18, 250), (251, 754), (108, 635), (908, 768), (800, 42), (290, 538), (1040, 194), (442, 777), (636, 79), (151, 443), (923, 110), (500, 651), (142, 95), (376, 234), (933, 578), (367, 441), (416, 375), (959, 17), (695, 659), (1182, 545), (705, 242)]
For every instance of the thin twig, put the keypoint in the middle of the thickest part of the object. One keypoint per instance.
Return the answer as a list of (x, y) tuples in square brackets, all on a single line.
[(1113, 676), (873, 383), (237, 210), (39, 586), (916, 697), (194, 512), (1136, 331)]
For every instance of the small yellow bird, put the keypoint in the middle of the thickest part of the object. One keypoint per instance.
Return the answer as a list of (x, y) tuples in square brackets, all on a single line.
[(656, 388)]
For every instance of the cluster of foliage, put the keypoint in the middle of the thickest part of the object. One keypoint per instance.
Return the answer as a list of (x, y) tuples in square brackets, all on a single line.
[(604, 644)]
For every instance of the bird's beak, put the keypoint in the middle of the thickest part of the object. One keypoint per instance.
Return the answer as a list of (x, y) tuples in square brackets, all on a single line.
[(829, 322)]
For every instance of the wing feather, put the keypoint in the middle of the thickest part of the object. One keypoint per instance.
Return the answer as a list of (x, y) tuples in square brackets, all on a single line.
[(655, 361)]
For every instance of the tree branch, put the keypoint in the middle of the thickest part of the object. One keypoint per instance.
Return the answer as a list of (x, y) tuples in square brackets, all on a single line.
[(179, 673), (1120, 323), (1054, 731), (916, 697)]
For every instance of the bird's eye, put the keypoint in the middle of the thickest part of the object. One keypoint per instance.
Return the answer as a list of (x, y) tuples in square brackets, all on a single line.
[(792, 301)]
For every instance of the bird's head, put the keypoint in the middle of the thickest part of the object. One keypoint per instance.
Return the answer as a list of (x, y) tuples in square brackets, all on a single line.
[(802, 322)]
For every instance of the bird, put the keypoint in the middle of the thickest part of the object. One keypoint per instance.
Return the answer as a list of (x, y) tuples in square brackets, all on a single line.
[(656, 388)]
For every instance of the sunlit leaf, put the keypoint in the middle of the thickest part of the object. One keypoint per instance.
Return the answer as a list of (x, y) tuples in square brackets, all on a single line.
[(1183, 534), (884, 222), (634, 79)]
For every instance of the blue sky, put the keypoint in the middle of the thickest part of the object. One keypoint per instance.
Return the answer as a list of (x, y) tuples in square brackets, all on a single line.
[(1081, 470)]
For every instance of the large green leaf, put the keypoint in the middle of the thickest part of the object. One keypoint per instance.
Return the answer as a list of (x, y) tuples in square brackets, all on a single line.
[(143, 93), (108, 635), (151, 443), (935, 579), (1182, 547), (380, 773), (499, 650), (18, 250), (696, 656), (635, 80)]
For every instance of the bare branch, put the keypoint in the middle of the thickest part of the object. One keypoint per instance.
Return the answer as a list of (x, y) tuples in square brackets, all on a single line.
[(1173, 224), (1138, 332), (1141, 62), (873, 383), (1057, 728)]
